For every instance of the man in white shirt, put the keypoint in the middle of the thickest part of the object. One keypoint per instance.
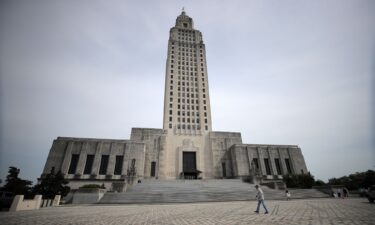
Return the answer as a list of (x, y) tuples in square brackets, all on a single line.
[(260, 197)]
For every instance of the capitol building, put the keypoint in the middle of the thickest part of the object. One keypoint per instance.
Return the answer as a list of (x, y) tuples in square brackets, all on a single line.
[(185, 147)]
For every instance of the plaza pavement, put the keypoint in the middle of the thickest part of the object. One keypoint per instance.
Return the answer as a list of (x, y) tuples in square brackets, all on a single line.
[(307, 211)]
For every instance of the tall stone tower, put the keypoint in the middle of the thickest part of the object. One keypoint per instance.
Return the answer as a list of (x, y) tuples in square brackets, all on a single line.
[(187, 111)]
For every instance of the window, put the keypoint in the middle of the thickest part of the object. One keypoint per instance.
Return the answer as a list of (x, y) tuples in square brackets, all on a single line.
[(89, 163), (268, 168), (288, 167), (153, 169), (206, 127), (224, 169), (170, 112), (103, 164), (278, 167), (170, 119), (73, 164), (170, 125), (256, 163), (118, 165)]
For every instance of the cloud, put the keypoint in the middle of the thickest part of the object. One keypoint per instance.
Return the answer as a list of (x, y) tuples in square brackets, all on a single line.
[(280, 73)]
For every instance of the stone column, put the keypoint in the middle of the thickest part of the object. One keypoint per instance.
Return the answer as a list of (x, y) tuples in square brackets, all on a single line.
[(272, 162), (291, 162), (97, 158), (249, 160), (124, 165), (284, 170), (67, 158), (262, 167), (111, 161), (82, 158)]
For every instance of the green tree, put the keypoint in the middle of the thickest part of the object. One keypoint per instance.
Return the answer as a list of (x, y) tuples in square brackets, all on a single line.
[(53, 184), (319, 183), (15, 184), (356, 180), (299, 180)]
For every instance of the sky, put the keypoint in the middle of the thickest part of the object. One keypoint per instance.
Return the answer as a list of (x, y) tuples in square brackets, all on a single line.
[(280, 72)]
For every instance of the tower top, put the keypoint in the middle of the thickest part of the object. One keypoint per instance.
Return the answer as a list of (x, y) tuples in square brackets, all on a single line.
[(184, 21)]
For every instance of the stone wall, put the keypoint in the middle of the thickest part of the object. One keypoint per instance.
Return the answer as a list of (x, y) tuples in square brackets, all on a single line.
[(219, 143), (218, 155), (154, 140), (242, 156), (60, 157)]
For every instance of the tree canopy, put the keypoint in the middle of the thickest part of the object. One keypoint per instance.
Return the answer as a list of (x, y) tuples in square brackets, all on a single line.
[(356, 180), (53, 184), (15, 184)]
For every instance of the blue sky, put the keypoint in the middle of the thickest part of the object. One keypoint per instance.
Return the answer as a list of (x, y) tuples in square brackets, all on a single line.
[(280, 72)]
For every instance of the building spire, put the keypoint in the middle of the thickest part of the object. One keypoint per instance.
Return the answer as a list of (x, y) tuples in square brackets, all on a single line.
[(183, 10)]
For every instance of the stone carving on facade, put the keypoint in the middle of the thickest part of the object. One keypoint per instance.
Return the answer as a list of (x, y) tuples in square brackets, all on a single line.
[(131, 172)]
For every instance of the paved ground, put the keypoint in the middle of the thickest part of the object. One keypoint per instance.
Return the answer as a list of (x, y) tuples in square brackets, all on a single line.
[(309, 211)]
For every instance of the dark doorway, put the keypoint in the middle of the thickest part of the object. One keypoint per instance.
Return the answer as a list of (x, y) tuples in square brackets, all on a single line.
[(189, 165), (224, 169), (153, 167)]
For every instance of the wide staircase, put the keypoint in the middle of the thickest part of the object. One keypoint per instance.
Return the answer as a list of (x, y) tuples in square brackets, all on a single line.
[(179, 191)]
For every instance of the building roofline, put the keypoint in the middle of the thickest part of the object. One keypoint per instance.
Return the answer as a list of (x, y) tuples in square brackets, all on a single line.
[(267, 145)]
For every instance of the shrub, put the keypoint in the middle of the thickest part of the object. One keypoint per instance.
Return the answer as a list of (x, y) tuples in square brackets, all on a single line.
[(299, 180), (93, 186)]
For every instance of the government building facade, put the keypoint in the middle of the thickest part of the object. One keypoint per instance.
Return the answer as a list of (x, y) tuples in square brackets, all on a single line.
[(186, 147)]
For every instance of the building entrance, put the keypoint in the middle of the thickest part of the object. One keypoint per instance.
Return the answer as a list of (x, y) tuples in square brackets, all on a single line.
[(189, 169)]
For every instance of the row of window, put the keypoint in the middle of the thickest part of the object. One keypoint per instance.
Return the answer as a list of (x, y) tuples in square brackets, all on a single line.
[(188, 49), (186, 32), (277, 164), (187, 82), (186, 75), (188, 90), (186, 54), (187, 67), (191, 95), (188, 127), (187, 57), (103, 164), (187, 61), (187, 105), (182, 44), (186, 39), (179, 113)]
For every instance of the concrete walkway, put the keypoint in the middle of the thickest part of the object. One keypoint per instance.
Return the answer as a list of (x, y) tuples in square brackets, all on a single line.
[(308, 211)]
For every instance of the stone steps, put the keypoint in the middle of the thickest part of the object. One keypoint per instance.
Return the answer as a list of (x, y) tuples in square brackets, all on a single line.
[(179, 191)]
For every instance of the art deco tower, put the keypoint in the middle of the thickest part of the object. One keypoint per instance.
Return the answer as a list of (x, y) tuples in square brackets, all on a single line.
[(186, 102), (187, 112)]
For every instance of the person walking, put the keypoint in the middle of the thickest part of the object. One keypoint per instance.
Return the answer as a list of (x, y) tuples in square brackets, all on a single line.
[(287, 195), (260, 197)]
